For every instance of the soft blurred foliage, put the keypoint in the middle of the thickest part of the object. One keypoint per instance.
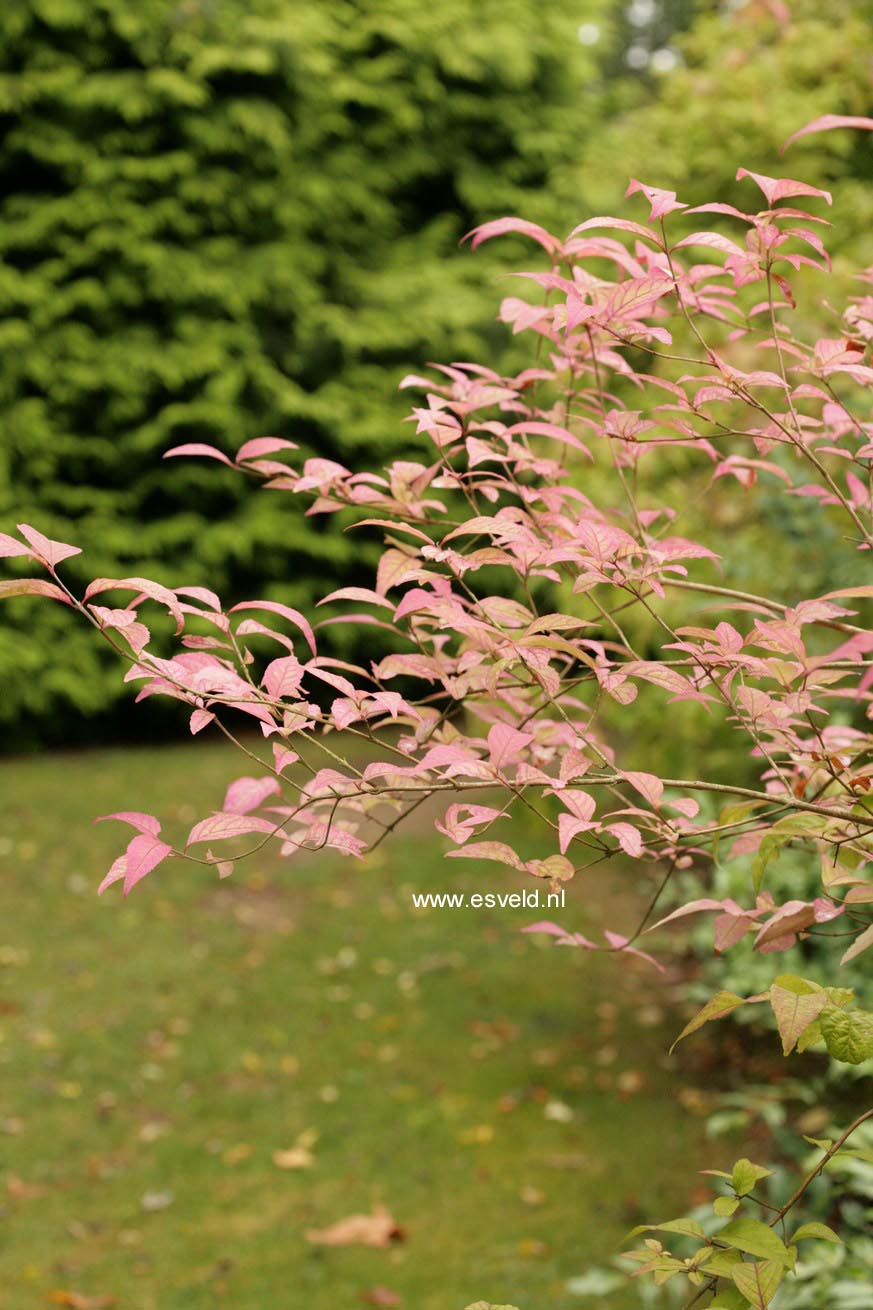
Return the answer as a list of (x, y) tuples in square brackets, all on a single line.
[(750, 75), (225, 219)]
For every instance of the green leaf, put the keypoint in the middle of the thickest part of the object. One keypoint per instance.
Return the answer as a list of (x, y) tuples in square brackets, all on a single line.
[(859, 945), (754, 1238), (848, 1034), (809, 1037), (716, 1007), (783, 832), (725, 1206), (794, 1013), (722, 1263), (685, 1227), (746, 1176), (729, 1299), (840, 996), (759, 1282), (818, 1230)]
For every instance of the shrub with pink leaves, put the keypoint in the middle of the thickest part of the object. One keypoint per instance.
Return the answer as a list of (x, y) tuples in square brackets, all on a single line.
[(517, 552)]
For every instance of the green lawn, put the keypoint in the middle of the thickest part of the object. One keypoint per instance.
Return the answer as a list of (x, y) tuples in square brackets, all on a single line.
[(156, 1053)]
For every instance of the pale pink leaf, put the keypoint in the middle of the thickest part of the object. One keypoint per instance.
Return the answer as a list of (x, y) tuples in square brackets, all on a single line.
[(51, 552), (142, 822), (489, 850), (10, 587), (827, 123), (143, 854), (220, 827), (285, 612), (9, 546), (506, 744), (198, 448), (199, 720), (248, 793), (263, 446), (499, 227)]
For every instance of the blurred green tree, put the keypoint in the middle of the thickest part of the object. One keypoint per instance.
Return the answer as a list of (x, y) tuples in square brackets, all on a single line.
[(220, 220), (749, 75)]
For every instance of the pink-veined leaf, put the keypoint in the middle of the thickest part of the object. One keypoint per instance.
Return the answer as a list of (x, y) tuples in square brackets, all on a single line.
[(146, 823), (499, 227), (144, 587), (248, 793), (662, 202), (565, 937), (220, 827), (10, 587), (827, 123), (282, 677), (648, 785), (506, 744), (489, 850), (628, 838), (9, 546), (259, 446), (50, 552), (285, 612), (198, 448), (143, 855), (779, 188)]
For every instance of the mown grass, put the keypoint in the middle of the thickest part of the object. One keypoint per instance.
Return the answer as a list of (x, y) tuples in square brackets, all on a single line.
[(510, 1103)]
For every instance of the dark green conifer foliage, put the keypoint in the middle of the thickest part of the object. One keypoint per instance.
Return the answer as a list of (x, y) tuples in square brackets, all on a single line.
[(222, 219)]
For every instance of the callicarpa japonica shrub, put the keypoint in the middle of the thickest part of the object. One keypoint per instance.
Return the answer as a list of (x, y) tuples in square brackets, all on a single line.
[(524, 554)]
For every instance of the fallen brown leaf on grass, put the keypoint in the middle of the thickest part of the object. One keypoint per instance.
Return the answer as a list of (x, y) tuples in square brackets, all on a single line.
[(376, 1229), (78, 1300), (19, 1190), (296, 1157), (381, 1296)]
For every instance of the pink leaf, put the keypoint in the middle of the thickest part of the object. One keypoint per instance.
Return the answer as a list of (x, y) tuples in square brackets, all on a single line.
[(144, 587), (142, 822), (115, 874), (662, 202), (648, 786), (220, 827), (776, 189), (32, 587), (565, 938), (286, 612), (9, 546), (619, 943), (282, 677), (357, 593), (248, 793), (51, 552), (627, 837), (198, 448), (827, 123), (499, 227), (143, 854), (506, 744), (263, 446), (570, 825), (489, 850), (199, 720)]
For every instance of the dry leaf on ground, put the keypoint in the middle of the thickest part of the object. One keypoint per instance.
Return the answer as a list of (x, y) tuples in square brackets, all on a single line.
[(376, 1229)]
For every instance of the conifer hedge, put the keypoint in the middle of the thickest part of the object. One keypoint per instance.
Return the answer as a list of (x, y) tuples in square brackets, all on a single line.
[(220, 220)]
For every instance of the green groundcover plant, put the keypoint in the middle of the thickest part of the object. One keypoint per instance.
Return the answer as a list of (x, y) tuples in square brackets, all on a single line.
[(506, 590)]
